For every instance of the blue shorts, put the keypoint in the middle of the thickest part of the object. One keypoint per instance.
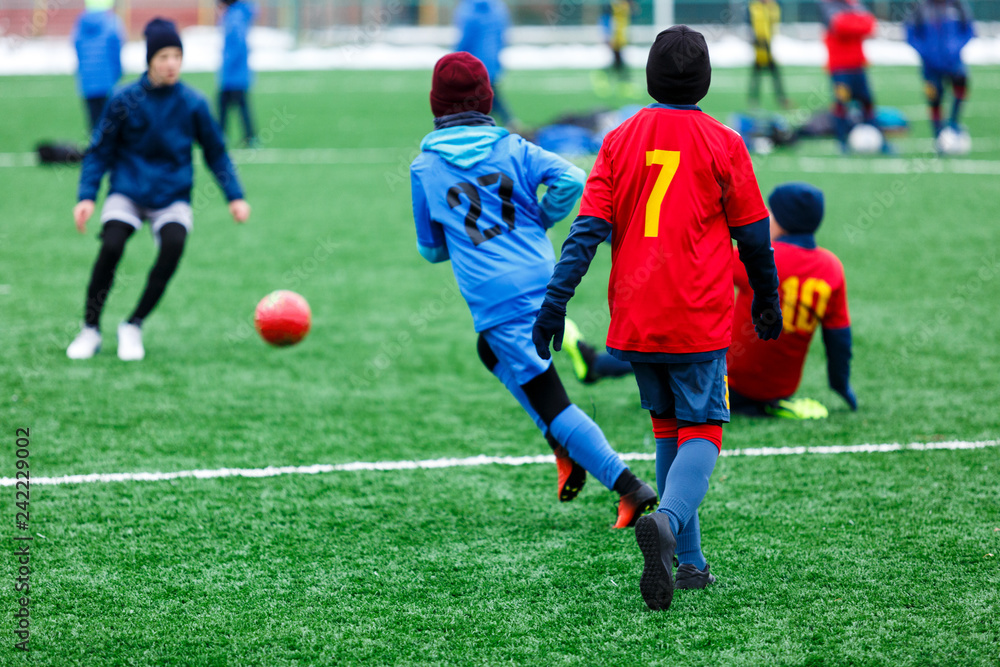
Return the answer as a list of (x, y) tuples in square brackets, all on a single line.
[(934, 82), (511, 342), (851, 84), (694, 392)]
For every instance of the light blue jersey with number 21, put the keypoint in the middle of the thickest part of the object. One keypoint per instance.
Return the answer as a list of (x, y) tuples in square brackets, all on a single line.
[(475, 202)]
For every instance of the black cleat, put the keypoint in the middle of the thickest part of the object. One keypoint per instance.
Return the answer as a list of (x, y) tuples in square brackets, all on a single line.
[(657, 542), (690, 577)]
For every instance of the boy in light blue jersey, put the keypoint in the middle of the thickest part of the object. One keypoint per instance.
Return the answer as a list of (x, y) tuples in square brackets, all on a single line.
[(474, 202)]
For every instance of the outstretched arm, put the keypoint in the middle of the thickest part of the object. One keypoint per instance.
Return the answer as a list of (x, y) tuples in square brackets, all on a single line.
[(838, 363), (209, 135)]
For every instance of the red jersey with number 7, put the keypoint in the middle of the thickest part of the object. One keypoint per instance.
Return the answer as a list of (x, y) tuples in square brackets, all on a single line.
[(813, 293), (671, 181)]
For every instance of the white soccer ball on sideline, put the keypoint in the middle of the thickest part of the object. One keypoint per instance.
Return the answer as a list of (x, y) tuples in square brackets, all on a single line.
[(865, 139), (954, 142)]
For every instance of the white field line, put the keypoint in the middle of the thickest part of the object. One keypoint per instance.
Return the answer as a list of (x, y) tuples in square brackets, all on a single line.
[(473, 461)]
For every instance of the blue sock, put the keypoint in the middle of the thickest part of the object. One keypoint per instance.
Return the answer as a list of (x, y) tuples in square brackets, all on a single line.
[(956, 109), (586, 444), (687, 481), (689, 539), (666, 450), (689, 544), (506, 375)]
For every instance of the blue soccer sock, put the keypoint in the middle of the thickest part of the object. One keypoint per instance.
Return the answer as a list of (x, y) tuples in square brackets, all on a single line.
[(506, 375), (689, 544), (665, 432), (687, 481), (666, 452), (586, 444), (956, 110)]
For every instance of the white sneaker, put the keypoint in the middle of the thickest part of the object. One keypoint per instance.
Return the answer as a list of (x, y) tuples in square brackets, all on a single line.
[(130, 342), (86, 344)]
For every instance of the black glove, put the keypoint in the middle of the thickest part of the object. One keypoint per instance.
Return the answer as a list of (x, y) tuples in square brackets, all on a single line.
[(549, 326), (766, 315)]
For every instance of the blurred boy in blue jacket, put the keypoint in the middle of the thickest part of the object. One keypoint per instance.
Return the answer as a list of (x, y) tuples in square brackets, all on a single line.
[(938, 30), (98, 37), (144, 138), (234, 75), (482, 25)]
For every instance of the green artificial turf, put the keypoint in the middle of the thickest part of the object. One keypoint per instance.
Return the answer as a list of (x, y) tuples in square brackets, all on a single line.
[(865, 559)]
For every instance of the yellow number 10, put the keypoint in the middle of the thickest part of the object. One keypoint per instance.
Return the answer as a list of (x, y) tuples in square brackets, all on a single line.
[(669, 160)]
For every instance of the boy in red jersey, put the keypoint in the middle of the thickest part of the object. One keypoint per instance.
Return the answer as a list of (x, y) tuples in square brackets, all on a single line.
[(848, 25), (813, 292), (672, 186)]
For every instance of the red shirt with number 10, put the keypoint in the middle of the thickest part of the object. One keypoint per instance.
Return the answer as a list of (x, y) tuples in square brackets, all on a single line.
[(671, 181)]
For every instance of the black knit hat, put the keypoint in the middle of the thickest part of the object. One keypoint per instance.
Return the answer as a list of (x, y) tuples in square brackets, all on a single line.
[(798, 207), (160, 33), (678, 70)]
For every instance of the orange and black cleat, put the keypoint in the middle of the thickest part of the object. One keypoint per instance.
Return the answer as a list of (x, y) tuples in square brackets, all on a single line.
[(572, 477), (634, 505)]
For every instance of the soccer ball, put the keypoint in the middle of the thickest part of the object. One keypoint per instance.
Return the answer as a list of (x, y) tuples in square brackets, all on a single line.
[(954, 142), (282, 318), (865, 139)]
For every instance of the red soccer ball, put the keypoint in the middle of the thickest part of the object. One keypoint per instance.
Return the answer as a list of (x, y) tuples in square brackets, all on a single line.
[(282, 318)]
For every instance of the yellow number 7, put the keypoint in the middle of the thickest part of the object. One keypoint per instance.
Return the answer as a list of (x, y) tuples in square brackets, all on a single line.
[(669, 160)]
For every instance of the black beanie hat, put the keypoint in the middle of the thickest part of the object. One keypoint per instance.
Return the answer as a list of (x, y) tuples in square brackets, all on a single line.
[(160, 33), (678, 70), (798, 207)]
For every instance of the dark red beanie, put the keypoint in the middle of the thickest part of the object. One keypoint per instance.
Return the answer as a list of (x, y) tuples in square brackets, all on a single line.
[(460, 83)]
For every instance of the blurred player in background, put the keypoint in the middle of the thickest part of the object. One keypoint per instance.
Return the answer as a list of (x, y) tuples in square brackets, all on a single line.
[(474, 191), (98, 37), (938, 30), (765, 15), (672, 187), (619, 19), (764, 376), (482, 26), (144, 138), (848, 25), (234, 75)]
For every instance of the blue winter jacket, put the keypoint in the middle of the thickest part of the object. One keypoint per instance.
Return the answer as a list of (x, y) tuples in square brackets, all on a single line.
[(938, 31), (483, 26), (236, 22), (145, 137), (98, 37)]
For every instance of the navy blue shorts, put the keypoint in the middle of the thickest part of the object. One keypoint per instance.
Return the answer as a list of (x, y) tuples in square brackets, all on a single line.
[(695, 392), (851, 84), (934, 82)]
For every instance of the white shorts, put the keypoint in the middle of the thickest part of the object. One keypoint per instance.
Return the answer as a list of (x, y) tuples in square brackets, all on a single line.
[(119, 207)]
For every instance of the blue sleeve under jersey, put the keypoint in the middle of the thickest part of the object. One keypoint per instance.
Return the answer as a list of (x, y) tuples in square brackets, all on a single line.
[(578, 250), (430, 235), (838, 358), (754, 244)]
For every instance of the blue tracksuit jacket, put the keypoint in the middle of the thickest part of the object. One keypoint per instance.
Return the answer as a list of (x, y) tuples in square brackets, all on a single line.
[(483, 26), (938, 31), (144, 138), (236, 22), (98, 38)]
